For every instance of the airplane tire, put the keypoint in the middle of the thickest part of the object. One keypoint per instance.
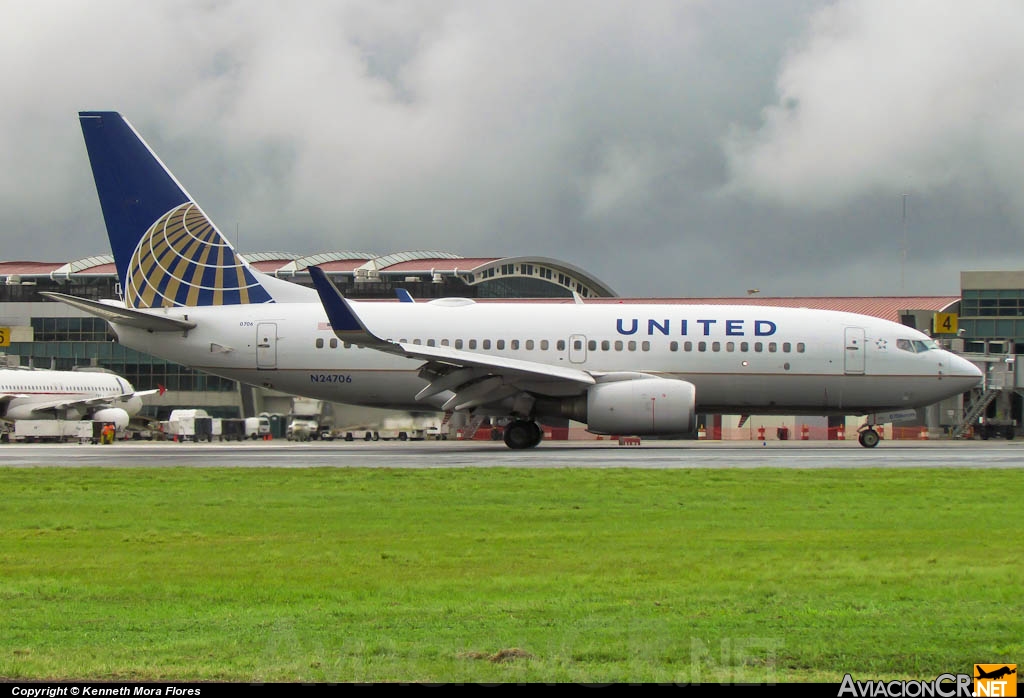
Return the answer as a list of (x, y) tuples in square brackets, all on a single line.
[(522, 434), (868, 438)]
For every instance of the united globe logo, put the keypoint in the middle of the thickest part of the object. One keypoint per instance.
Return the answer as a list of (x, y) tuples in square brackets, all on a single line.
[(183, 260)]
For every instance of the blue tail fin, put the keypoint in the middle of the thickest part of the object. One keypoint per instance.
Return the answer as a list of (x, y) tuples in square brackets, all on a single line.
[(167, 251)]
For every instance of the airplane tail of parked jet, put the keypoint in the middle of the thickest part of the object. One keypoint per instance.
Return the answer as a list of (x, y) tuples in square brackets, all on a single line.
[(167, 251)]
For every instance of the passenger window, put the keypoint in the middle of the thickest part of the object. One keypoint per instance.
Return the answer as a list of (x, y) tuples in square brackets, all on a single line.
[(472, 344), (529, 345), (730, 346), (800, 347), (458, 343), (618, 345), (514, 345), (786, 347), (334, 342), (645, 346), (758, 347), (430, 342), (561, 345), (772, 347), (592, 345), (716, 346), (687, 346), (673, 346), (319, 342), (605, 345), (631, 345), (500, 345), (702, 346), (417, 341), (744, 346), (486, 344), (444, 343), (544, 345)]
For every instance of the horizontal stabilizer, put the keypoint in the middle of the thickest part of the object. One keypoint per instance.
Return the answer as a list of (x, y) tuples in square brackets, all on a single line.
[(124, 316)]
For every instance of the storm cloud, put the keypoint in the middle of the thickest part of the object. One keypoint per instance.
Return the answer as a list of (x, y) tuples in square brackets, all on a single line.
[(671, 148)]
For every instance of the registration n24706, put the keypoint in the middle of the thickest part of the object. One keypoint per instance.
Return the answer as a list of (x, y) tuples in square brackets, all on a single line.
[(329, 378)]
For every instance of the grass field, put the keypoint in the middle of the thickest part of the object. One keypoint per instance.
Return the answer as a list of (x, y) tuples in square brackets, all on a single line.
[(508, 575)]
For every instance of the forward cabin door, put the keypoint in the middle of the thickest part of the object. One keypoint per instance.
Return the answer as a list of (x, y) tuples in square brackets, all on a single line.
[(854, 361), (266, 345)]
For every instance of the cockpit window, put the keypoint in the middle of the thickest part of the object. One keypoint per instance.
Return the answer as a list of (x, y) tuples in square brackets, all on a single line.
[(916, 346)]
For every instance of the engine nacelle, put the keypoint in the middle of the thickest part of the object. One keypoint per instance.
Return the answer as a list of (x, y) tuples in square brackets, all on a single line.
[(645, 406), (116, 415)]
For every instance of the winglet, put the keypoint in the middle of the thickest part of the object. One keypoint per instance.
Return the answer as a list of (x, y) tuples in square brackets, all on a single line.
[(344, 321), (404, 296)]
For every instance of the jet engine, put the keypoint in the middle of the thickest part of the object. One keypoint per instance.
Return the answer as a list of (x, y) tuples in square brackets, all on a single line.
[(647, 406), (116, 415), (642, 406)]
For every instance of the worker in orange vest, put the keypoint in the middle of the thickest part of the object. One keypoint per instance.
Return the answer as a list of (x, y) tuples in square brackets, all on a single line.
[(107, 434)]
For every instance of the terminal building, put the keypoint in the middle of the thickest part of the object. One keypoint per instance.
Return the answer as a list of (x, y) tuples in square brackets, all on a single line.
[(985, 323)]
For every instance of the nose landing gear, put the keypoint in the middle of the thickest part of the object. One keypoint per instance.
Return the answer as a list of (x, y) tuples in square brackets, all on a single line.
[(868, 437)]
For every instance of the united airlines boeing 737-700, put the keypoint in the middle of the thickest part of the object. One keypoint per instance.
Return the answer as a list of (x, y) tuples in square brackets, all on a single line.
[(621, 369)]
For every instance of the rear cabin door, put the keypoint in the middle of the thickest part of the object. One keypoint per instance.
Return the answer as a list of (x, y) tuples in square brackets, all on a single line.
[(266, 345), (854, 361)]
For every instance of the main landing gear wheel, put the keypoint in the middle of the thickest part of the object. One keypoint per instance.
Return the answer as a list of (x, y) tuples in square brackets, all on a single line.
[(522, 434), (868, 438)]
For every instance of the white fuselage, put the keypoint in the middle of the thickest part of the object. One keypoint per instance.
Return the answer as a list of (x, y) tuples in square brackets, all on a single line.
[(741, 359), (24, 393)]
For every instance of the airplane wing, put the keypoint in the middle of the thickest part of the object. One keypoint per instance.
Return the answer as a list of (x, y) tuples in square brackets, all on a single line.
[(475, 379), (62, 405), (124, 316)]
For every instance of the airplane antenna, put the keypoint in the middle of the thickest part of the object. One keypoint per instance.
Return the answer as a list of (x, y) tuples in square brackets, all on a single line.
[(903, 265)]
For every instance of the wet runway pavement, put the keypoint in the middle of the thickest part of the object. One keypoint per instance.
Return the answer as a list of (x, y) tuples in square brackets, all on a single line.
[(561, 454)]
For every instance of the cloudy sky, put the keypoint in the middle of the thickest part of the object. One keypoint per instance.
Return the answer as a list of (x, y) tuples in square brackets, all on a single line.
[(672, 148)]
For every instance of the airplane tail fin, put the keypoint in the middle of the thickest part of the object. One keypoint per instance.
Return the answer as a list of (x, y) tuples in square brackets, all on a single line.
[(167, 251)]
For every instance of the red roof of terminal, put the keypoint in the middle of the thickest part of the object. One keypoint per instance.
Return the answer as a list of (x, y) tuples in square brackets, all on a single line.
[(441, 264), (269, 266), (7, 268)]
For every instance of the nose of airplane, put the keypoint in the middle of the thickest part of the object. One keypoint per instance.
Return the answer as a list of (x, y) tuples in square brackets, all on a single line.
[(962, 371)]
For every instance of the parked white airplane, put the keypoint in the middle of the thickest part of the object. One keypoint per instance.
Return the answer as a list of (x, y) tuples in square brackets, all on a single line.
[(39, 394), (621, 369)]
